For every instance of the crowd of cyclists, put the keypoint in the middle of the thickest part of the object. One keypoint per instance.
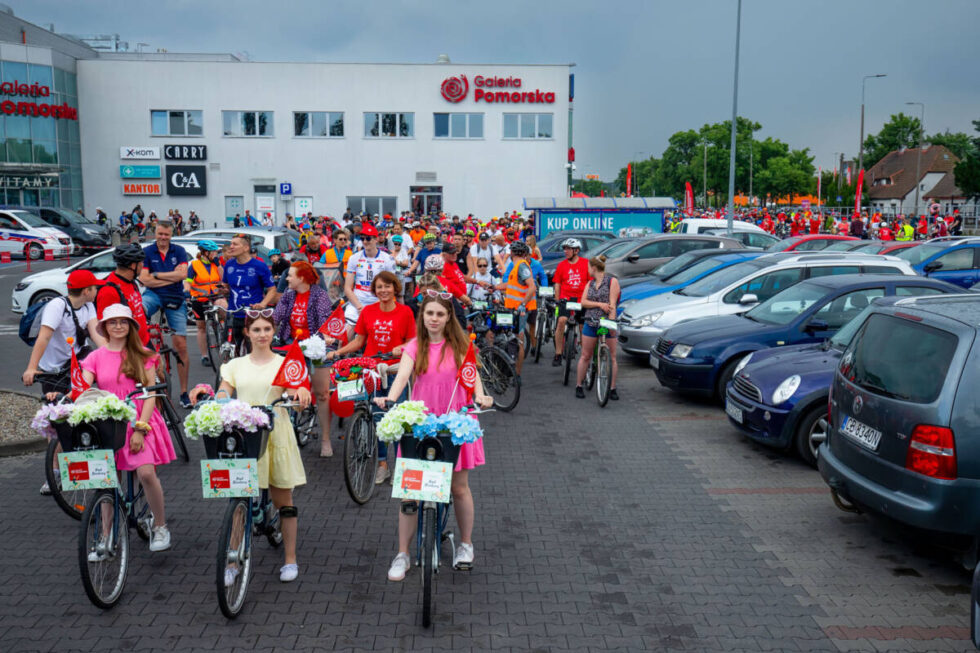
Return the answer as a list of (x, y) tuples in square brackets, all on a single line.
[(408, 287)]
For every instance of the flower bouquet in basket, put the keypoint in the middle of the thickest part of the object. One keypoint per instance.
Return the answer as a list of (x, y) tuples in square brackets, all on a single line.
[(315, 349), (212, 419), (49, 418), (459, 426), (97, 418), (401, 420)]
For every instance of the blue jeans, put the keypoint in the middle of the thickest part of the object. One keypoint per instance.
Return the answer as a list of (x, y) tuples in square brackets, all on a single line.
[(176, 317)]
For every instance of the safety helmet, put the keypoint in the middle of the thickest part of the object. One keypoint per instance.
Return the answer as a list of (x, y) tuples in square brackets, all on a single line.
[(274, 252), (434, 263), (519, 248), (572, 243), (128, 254), (208, 245)]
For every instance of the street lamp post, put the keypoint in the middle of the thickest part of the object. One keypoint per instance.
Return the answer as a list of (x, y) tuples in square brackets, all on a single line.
[(704, 178), (731, 157), (861, 142), (918, 154)]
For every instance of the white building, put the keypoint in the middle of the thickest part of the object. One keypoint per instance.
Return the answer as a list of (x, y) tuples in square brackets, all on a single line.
[(218, 135)]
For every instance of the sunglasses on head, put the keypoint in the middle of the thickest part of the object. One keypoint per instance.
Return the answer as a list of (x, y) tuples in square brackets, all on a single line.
[(259, 312), (435, 293)]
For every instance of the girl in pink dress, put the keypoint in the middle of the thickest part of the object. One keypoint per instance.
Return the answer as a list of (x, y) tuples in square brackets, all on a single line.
[(432, 360), (116, 368)]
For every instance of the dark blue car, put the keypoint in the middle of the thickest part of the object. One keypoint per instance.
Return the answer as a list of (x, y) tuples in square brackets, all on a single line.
[(701, 355), (956, 260), (800, 421)]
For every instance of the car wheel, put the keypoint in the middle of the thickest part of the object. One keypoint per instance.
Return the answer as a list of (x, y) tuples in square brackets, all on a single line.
[(43, 296), (725, 376), (34, 251), (811, 432)]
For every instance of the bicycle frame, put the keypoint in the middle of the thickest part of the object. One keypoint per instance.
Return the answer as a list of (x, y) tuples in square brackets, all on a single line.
[(442, 518)]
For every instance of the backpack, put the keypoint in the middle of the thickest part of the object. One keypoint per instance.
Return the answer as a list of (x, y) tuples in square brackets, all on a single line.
[(30, 321)]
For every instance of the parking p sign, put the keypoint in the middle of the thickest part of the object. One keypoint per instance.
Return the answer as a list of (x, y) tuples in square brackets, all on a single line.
[(285, 188)]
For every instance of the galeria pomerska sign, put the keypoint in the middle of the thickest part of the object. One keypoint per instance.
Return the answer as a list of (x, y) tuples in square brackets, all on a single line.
[(491, 89), (24, 108)]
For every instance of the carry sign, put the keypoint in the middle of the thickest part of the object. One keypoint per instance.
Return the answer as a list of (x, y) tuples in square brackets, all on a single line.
[(422, 480), (88, 470), (351, 390), (224, 479)]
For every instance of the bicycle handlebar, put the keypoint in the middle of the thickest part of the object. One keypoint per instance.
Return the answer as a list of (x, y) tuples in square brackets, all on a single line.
[(143, 392)]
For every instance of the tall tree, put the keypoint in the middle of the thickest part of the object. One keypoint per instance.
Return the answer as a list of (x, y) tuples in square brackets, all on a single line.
[(900, 131), (958, 143), (967, 171)]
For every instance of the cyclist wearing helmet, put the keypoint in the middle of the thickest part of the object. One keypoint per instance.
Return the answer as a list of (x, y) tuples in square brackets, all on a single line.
[(278, 265), (423, 253), (570, 278), (203, 276), (540, 278), (120, 286), (520, 291)]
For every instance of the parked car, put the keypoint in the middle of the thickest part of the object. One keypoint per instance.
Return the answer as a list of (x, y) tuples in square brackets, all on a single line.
[(583, 233), (24, 234), (799, 422), (705, 266), (756, 239), (551, 265), (551, 247), (846, 246), (808, 243), (902, 439), (638, 256), (268, 237), (86, 235), (737, 289), (882, 246), (956, 260), (671, 267), (49, 283), (699, 225)]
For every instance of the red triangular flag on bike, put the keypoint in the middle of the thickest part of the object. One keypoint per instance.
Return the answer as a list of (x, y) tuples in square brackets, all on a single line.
[(466, 376), (336, 325), (293, 373), (78, 383)]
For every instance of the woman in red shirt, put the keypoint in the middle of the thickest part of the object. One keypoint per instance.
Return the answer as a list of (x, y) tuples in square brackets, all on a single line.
[(382, 328)]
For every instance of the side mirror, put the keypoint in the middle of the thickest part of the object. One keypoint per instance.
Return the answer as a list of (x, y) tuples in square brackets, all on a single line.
[(633, 258), (816, 325), (749, 298), (932, 267)]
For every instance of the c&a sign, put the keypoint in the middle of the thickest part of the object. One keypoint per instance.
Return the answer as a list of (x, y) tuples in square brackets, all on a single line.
[(187, 180)]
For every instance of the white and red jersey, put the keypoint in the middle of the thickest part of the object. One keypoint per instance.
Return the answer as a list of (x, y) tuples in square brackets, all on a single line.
[(365, 268)]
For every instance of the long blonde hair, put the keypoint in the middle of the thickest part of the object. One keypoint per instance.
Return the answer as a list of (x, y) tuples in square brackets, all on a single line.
[(134, 357), (453, 332)]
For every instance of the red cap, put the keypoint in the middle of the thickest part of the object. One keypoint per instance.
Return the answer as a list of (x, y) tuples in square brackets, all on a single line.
[(80, 279), (369, 230)]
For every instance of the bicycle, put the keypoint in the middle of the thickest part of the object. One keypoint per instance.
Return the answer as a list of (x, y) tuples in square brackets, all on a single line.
[(573, 340), (497, 370), (230, 348), (244, 516), (432, 515), (72, 502), (544, 329), (212, 328), (167, 409), (599, 372), (103, 535), (157, 332)]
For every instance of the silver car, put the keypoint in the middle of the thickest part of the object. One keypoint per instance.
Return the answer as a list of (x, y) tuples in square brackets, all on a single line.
[(738, 288)]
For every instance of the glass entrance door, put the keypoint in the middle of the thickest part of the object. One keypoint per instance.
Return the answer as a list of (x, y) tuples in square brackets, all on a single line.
[(426, 200)]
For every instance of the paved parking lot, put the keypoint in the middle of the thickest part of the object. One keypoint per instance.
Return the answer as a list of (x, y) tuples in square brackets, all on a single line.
[(648, 525)]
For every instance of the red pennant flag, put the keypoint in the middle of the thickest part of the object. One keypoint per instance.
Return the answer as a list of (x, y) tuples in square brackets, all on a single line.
[(293, 373), (466, 376), (857, 194), (688, 198), (629, 180), (336, 325), (78, 383)]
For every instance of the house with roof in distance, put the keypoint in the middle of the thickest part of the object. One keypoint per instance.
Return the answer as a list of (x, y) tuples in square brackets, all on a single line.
[(893, 182)]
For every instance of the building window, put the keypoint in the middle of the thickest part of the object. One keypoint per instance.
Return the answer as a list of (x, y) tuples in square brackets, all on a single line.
[(389, 125), (176, 123), (247, 123), (318, 124), (528, 125), (458, 125)]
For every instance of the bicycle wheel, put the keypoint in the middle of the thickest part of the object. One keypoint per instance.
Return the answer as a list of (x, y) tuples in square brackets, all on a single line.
[(273, 525), (603, 374), (234, 558), (73, 502), (590, 372), (540, 331), (103, 549), (175, 428), (213, 338), (428, 562), (360, 456), (500, 376), (570, 352), (306, 425), (163, 373)]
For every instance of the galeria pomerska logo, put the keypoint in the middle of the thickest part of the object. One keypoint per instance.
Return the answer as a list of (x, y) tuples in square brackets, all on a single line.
[(454, 89)]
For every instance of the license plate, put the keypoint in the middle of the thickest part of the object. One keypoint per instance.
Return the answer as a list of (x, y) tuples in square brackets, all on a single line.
[(608, 324), (479, 306), (654, 361), (223, 479), (351, 390), (733, 411), (505, 319), (546, 291), (861, 433), (573, 306)]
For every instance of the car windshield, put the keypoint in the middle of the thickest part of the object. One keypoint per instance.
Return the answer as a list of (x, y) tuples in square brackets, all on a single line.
[(783, 307), (675, 265), (695, 270), (721, 279), (600, 248), (870, 248), (899, 358), (841, 246), (29, 219), (619, 249), (919, 253), (73, 217), (783, 244), (842, 338)]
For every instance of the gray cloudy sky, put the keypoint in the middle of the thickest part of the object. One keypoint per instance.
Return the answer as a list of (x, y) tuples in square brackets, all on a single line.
[(645, 68)]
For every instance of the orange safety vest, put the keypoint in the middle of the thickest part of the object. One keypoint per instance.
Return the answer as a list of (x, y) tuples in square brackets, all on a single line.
[(417, 234), (205, 279), (329, 259), (514, 295)]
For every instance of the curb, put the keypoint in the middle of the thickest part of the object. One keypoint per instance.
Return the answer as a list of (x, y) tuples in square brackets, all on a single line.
[(22, 447)]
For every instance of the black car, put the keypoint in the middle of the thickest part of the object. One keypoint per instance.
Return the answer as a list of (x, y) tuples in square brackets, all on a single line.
[(88, 236)]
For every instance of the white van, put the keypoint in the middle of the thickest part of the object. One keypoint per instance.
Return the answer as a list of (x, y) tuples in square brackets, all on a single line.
[(698, 225)]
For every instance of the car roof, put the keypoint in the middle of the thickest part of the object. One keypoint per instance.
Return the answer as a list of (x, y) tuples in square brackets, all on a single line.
[(963, 308), (839, 281)]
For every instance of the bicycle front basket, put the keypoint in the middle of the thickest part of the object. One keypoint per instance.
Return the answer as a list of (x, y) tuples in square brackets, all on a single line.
[(410, 447), (237, 444), (100, 434)]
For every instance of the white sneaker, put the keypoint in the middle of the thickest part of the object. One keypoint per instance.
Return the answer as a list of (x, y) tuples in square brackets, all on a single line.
[(463, 557), (383, 475), (399, 567), (231, 573), (45, 489), (160, 540), (288, 573), (100, 552)]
